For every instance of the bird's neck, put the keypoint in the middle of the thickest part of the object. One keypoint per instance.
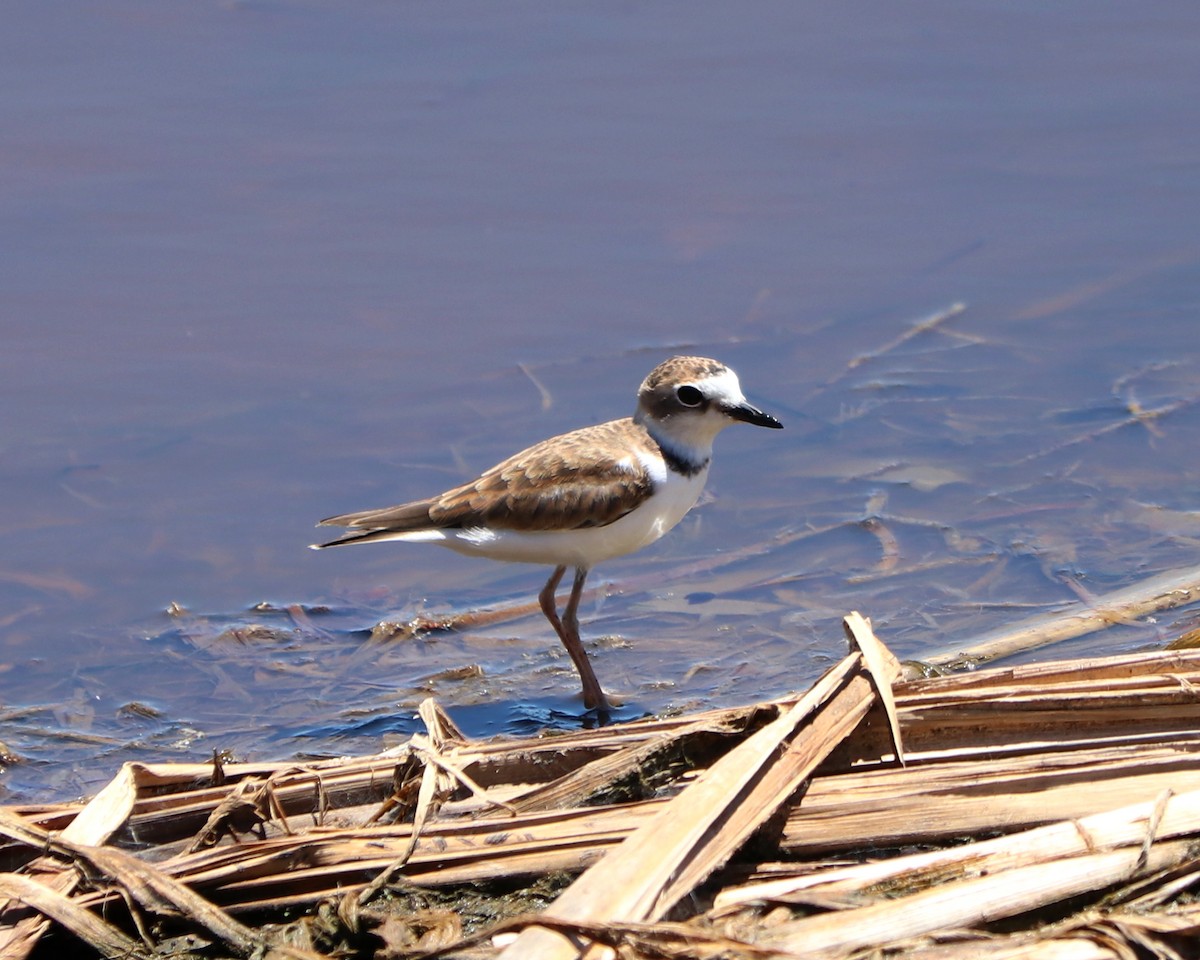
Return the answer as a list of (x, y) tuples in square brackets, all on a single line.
[(682, 457)]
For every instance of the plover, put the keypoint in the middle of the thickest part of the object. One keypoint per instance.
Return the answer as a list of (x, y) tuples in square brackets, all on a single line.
[(582, 497)]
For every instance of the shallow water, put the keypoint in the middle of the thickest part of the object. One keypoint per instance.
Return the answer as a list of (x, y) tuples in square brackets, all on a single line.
[(267, 262)]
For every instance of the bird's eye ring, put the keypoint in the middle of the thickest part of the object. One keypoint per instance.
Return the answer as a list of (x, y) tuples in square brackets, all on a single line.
[(689, 396)]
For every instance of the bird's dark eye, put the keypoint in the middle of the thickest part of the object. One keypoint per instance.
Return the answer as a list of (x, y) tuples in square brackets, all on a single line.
[(689, 396)]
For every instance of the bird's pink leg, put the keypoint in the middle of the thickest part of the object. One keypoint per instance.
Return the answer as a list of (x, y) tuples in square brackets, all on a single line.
[(568, 632)]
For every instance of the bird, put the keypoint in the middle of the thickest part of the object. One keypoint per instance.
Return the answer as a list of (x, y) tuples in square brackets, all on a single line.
[(582, 497)]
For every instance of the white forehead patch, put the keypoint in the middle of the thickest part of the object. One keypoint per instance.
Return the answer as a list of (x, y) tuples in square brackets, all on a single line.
[(724, 386)]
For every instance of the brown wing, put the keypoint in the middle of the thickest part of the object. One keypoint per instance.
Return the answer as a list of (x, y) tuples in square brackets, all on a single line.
[(587, 478)]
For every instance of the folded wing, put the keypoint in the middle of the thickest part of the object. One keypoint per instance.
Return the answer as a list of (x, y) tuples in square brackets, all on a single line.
[(588, 478)]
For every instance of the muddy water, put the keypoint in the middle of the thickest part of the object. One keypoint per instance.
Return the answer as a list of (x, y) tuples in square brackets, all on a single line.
[(265, 262)]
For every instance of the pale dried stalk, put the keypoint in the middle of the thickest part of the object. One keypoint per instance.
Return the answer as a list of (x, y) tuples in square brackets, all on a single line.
[(954, 791), (95, 823), (925, 803), (882, 668), (700, 828), (51, 903), (1162, 818), (972, 902), (931, 802), (1175, 588), (149, 887), (998, 748)]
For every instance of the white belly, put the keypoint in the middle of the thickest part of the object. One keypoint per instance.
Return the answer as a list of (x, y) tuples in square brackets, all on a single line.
[(583, 547)]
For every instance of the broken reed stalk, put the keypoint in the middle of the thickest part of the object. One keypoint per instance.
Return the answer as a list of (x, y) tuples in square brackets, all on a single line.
[(1175, 588), (94, 825), (151, 889), (997, 750), (52, 904), (1167, 817), (1012, 875), (973, 902), (665, 859)]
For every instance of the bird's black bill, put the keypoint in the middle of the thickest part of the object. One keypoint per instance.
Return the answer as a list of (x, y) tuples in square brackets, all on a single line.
[(749, 414)]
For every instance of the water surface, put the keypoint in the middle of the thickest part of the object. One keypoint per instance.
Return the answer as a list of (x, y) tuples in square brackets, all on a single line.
[(265, 262)]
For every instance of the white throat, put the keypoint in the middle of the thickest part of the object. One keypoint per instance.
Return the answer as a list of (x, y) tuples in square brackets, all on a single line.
[(686, 451)]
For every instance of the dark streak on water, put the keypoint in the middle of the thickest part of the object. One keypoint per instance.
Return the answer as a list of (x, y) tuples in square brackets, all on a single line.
[(265, 262)]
